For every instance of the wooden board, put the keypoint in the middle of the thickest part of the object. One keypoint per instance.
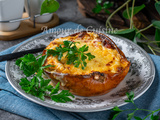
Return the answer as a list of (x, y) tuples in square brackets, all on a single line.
[(26, 28)]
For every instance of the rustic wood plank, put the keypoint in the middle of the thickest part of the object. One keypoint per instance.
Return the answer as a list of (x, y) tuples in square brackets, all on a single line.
[(151, 12), (141, 20), (86, 6)]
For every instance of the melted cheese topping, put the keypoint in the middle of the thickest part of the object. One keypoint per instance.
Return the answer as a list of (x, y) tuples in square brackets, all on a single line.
[(106, 59)]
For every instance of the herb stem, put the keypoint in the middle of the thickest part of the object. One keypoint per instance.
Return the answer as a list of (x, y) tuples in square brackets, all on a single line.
[(145, 110), (156, 110), (131, 19), (129, 110), (152, 112), (119, 8), (156, 50), (156, 0), (127, 11), (145, 28), (134, 105), (147, 38), (151, 49), (147, 116), (154, 42), (38, 56)]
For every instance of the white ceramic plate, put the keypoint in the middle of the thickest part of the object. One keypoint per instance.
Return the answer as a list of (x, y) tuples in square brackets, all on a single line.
[(139, 78)]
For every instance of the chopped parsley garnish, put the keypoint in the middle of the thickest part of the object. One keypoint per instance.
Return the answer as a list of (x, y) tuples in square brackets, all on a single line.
[(75, 56), (37, 85)]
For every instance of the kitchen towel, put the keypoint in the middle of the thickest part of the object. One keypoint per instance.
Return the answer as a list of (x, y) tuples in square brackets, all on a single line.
[(12, 101)]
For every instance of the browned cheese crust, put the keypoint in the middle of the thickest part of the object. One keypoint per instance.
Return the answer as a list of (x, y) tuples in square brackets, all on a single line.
[(102, 74)]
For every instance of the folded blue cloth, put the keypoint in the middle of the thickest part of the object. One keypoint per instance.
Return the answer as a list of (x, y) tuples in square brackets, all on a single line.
[(13, 102)]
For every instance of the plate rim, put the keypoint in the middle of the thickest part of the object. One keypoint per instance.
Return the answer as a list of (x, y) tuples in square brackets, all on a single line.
[(45, 104)]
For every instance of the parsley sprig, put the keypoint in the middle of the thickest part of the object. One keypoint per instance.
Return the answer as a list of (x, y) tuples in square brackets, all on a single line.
[(116, 110), (33, 66), (29, 64), (75, 56), (37, 85)]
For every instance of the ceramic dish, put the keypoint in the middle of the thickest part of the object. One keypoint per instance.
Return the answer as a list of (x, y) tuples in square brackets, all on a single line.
[(139, 78)]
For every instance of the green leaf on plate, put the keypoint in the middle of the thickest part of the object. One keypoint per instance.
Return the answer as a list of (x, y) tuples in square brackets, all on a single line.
[(157, 6), (49, 6), (136, 10), (62, 97), (127, 33)]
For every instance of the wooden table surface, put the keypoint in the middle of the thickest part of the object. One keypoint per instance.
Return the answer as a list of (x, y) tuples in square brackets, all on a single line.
[(68, 12)]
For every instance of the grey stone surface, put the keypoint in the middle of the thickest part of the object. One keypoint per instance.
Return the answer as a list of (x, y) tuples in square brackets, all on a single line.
[(4, 115), (68, 12)]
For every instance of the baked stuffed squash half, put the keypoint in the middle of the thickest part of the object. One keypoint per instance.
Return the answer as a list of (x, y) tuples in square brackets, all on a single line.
[(101, 75)]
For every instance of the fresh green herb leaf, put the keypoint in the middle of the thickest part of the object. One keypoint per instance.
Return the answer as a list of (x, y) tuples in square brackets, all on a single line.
[(99, 1), (75, 56), (47, 66), (90, 56), (130, 116), (154, 117), (116, 108), (24, 82), (83, 48), (38, 86), (130, 96), (113, 115), (157, 36), (127, 33), (107, 11), (41, 60), (26, 64), (107, 5), (62, 97), (28, 69), (29, 64), (136, 10), (97, 9), (56, 89), (49, 6), (157, 6), (156, 24)]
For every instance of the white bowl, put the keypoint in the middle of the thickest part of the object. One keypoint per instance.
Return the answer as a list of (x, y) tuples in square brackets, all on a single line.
[(34, 8), (10, 10)]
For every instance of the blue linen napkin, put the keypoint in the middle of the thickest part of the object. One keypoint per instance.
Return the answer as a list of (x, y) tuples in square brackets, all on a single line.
[(12, 101)]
